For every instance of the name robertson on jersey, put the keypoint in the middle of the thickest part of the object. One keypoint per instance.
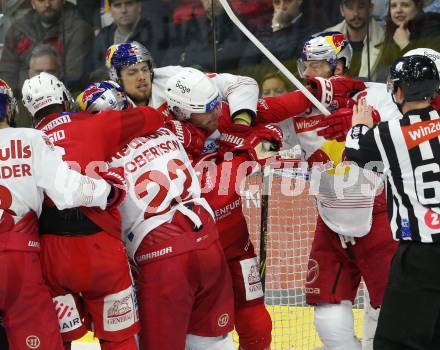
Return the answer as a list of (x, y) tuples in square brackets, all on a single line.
[(156, 150)]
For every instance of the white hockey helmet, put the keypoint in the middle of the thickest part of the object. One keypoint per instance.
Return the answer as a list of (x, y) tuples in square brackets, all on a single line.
[(328, 46), (191, 91), (102, 96), (43, 90), (430, 53)]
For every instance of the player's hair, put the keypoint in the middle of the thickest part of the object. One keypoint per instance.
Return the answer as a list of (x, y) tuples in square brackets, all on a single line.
[(44, 112)]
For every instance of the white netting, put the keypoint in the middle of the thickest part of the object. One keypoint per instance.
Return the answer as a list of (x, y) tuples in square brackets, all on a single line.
[(291, 225)]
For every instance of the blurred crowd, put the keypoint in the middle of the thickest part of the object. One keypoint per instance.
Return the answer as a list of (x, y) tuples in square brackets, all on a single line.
[(70, 38)]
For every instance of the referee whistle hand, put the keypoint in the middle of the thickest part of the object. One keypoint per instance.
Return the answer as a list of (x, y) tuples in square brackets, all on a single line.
[(362, 114)]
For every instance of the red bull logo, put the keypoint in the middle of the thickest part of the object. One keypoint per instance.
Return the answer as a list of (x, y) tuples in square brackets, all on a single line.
[(88, 94), (109, 54), (337, 40)]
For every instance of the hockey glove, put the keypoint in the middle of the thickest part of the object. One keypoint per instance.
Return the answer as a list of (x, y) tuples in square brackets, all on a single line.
[(234, 138), (264, 142), (337, 91), (336, 125), (115, 177), (191, 137)]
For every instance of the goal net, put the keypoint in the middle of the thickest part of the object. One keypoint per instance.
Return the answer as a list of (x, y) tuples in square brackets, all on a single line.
[(291, 224)]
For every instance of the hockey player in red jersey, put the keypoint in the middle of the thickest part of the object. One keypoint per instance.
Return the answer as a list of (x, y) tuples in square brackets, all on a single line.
[(31, 166), (200, 106), (83, 258), (183, 281)]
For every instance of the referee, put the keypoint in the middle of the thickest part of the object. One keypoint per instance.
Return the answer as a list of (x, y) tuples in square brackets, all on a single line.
[(409, 148)]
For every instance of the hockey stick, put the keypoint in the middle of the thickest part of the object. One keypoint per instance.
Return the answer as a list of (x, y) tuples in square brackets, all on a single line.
[(272, 58), (263, 224)]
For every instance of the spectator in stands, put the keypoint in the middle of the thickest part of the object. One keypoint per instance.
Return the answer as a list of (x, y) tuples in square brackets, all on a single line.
[(128, 25), (194, 41), (407, 27), (45, 58), (252, 13), (55, 22), (288, 26), (366, 48), (322, 12), (273, 84)]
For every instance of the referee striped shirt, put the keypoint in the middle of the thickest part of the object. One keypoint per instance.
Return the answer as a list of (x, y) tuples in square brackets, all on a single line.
[(409, 148)]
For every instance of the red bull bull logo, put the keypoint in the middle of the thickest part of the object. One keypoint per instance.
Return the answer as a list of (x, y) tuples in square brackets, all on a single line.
[(109, 54), (337, 41), (88, 94)]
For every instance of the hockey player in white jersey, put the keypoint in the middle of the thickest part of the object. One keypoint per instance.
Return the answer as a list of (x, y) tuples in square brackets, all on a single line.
[(184, 286), (342, 249), (132, 66), (32, 166)]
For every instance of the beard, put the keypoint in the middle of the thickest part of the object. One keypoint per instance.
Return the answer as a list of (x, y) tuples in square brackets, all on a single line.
[(50, 18), (356, 25)]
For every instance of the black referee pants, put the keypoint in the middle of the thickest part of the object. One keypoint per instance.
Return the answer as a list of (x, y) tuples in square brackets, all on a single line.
[(410, 314)]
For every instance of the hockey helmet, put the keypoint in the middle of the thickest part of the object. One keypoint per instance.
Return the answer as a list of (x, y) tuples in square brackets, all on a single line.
[(328, 46), (44, 90), (8, 104), (432, 54), (191, 91), (102, 96), (122, 55), (416, 75)]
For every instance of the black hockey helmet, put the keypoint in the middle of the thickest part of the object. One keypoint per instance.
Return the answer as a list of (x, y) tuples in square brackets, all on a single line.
[(417, 75)]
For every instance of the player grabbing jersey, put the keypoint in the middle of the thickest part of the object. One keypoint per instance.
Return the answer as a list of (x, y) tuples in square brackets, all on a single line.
[(198, 108), (344, 248), (171, 235), (32, 166), (131, 65), (83, 257)]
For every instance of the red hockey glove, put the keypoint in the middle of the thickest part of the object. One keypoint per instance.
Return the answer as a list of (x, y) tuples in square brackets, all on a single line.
[(191, 137), (344, 88), (337, 124), (336, 92), (115, 177), (233, 138), (322, 89), (264, 142)]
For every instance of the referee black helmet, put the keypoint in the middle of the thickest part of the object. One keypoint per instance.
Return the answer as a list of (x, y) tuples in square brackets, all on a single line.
[(416, 75)]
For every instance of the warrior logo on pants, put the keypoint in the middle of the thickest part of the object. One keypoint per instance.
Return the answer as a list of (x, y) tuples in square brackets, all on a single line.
[(33, 342), (312, 271)]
